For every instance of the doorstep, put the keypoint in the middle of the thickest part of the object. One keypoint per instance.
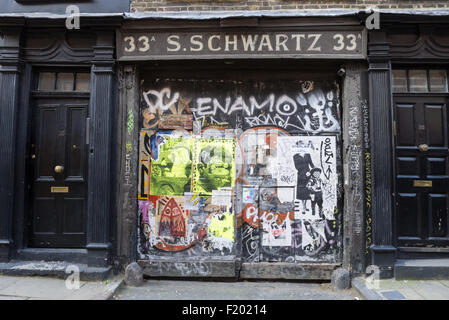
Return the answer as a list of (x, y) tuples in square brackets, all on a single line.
[(421, 269), (57, 269)]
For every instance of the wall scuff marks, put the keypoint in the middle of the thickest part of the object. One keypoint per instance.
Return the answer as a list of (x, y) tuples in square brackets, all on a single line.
[(244, 169), (368, 182), (353, 162)]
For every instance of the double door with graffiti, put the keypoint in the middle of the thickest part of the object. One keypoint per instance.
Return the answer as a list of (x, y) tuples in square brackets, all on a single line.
[(239, 168)]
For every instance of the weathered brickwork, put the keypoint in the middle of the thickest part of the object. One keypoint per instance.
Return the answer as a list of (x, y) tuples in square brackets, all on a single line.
[(220, 5)]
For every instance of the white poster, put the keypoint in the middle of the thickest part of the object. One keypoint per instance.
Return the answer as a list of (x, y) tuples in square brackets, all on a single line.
[(275, 234), (222, 197), (312, 159)]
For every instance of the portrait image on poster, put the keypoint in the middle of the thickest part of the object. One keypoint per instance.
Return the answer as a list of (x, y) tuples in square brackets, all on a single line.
[(171, 172), (214, 165)]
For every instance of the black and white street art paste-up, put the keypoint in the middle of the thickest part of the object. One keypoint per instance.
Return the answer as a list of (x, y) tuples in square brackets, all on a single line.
[(311, 164)]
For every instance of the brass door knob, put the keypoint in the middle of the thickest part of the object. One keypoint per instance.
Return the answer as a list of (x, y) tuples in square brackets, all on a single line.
[(59, 169), (423, 147)]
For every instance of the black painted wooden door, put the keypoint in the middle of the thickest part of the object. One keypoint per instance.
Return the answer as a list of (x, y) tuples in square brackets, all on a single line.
[(422, 175), (59, 161)]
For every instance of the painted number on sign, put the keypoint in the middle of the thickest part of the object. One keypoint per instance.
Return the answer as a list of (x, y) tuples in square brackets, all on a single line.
[(143, 44), (350, 43)]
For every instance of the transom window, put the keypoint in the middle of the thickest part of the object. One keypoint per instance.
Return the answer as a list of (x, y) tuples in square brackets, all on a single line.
[(419, 80), (64, 81)]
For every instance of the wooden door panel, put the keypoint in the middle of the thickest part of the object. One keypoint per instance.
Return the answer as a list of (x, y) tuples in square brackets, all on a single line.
[(73, 208), (436, 168), (408, 215), (44, 222), (405, 125), (407, 167), (434, 123), (438, 216), (46, 141), (76, 142)]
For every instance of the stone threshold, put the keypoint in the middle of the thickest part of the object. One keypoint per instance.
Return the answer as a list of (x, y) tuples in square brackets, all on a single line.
[(215, 268)]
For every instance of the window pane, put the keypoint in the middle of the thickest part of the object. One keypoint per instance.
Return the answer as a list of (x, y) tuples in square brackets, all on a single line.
[(65, 82), (438, 80), (418, 80), (82, 81), (46, 81), (399, 80)]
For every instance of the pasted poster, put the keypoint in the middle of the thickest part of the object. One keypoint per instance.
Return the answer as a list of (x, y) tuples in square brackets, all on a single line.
[(171, 166), (144, 162), (166, 226), (214, 165), (276, 230), (313, 160)]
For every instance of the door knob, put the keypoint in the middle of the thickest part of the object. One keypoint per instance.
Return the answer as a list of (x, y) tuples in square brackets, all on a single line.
[(59, 169), (423, 147)]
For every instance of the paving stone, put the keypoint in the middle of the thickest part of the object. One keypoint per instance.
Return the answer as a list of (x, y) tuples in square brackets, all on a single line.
[(445, 283), (393, 295), (38, 288), (391, 284), (12, 298), (411, 294), (7, 281), (430, 290)]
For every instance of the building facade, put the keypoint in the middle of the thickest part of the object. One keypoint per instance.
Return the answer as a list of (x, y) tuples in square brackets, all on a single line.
[(240, 139)]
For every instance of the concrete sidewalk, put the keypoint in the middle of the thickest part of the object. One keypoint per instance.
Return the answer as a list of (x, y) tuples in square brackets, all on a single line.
[(188, 290), (45, 288), (391, 289)]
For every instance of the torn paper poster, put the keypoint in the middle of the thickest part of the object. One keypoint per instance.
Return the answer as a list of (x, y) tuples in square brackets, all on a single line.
[(221, 197), (286, 194), (248, 194), (276, 233), (191, 201)]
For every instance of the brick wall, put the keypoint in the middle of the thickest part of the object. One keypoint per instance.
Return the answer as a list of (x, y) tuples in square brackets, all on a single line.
[(221, 5)]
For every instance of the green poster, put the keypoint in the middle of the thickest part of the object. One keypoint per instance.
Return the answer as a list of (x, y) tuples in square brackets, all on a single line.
[(171, 173), (214, 165)]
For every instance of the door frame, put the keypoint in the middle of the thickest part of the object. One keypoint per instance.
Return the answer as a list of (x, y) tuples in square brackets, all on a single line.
[(92, 47), (100, 225)]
